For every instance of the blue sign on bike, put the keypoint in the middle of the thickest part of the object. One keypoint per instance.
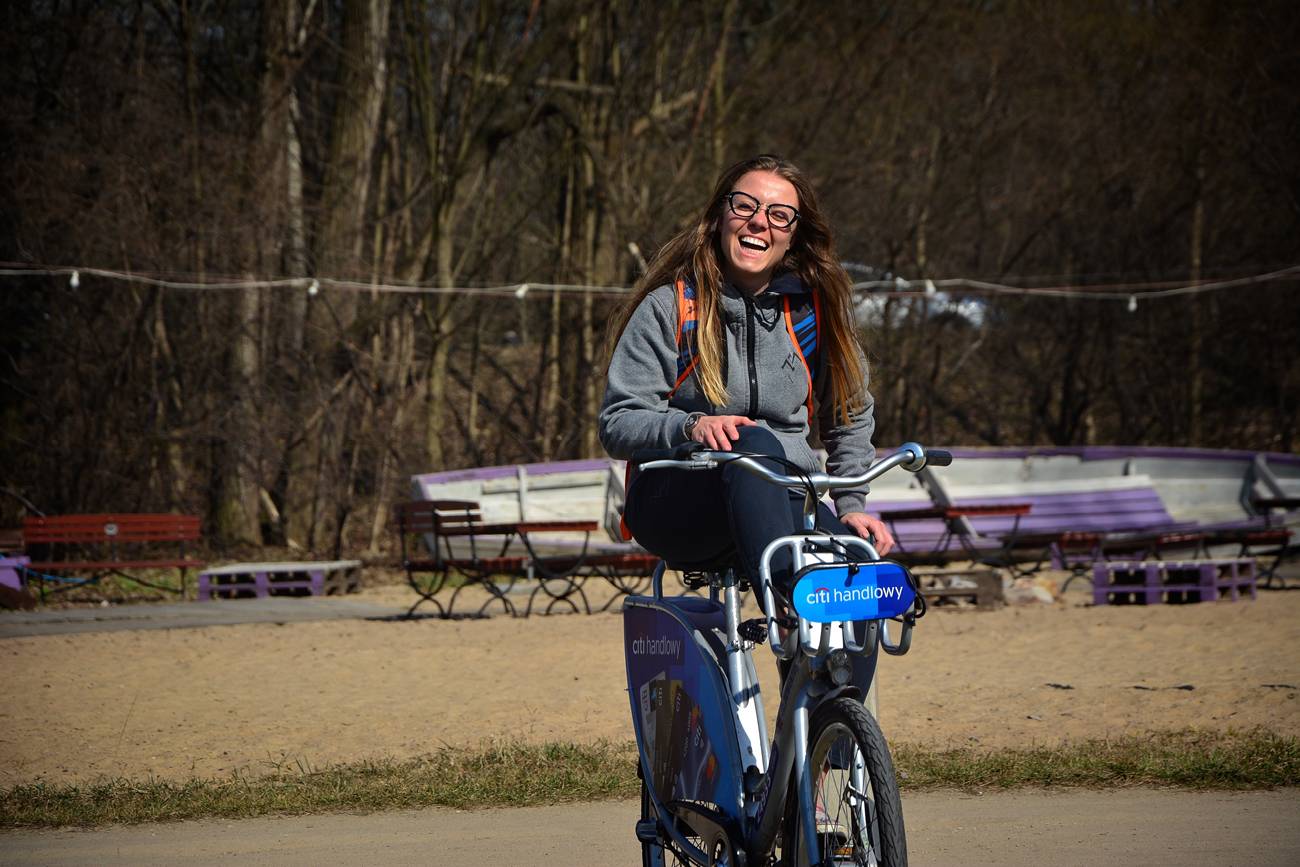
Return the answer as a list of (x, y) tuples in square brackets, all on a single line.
[(828, 592)]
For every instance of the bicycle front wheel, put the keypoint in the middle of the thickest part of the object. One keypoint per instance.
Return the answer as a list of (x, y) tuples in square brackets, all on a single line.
[(858, 812)]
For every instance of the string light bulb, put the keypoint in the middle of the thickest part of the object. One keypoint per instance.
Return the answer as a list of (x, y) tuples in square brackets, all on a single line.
[(1132, 304), (75, 280), (313, 287)]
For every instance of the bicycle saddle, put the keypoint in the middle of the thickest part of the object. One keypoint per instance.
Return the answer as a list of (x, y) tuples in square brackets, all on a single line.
[(719, 562)]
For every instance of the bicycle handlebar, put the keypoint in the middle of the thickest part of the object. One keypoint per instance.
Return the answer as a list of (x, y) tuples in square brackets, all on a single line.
[(694, 456)]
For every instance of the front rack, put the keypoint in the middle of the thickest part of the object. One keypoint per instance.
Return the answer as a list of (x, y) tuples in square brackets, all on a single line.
[(815, 639)]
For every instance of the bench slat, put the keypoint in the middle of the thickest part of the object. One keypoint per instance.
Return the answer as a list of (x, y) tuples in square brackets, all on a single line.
[(84, 565), (64, 529), (488, 565)]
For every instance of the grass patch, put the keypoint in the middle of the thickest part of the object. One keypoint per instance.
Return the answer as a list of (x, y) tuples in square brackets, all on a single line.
[(513, 774), (497, 775), (1255, 759)]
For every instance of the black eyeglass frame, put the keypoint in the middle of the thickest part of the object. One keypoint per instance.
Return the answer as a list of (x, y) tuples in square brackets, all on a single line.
[(730, 199)]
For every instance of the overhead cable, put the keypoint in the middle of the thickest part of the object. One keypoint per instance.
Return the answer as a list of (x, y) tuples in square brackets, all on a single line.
[(896, 287)]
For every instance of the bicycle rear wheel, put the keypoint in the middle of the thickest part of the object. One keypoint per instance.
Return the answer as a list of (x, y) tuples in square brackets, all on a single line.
[(663, 853), (655, 854), (858, 812)]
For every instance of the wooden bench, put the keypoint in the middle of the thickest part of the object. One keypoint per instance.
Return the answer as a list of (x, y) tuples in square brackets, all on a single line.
[(110, 544), (627, 572), (1257, 538), (925, 536), (1073, 529), (456, 539)]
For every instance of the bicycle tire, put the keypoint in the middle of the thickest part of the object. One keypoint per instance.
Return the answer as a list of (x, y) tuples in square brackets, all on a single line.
[(663, 853), (851, 829), (660, 853)]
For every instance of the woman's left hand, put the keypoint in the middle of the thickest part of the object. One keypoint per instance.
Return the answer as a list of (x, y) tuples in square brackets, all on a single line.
[(871, 528)]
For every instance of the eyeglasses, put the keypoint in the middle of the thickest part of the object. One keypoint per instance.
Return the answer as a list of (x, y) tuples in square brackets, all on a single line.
[(745, 205)]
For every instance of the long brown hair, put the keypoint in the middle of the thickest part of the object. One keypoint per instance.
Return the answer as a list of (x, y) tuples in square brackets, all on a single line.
[(694, 255)]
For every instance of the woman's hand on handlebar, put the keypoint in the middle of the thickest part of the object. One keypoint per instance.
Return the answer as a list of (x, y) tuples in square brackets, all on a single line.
[(871, 528), (718, 432)]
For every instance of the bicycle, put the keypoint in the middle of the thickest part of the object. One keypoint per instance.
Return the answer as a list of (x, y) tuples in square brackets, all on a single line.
[(714, 790)]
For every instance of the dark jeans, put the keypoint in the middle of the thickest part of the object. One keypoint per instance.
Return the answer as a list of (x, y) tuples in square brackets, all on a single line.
[(703, 519), (694, 518)]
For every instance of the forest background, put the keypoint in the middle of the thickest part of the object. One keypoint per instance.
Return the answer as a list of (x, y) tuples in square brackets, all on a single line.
[(1109, 146)]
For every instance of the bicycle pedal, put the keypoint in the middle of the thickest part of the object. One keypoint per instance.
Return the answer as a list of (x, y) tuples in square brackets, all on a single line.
[(754, 630)]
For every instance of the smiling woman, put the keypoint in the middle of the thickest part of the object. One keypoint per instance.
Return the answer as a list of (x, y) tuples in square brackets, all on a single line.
[(755, 233), (740, 336)]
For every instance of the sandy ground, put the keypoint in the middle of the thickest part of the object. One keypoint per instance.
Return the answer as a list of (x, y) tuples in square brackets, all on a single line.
[(174, 703), (1012, 829)]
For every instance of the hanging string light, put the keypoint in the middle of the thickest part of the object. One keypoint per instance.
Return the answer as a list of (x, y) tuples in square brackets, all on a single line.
[(894, 286)]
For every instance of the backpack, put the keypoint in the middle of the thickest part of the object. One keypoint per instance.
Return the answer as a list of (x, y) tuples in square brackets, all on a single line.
[(802, 323)]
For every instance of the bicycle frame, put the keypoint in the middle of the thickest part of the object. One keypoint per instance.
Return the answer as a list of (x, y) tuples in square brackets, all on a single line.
[(697, 707), (708, 717)]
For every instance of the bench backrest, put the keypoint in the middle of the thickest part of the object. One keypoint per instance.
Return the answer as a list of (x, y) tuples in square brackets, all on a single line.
[(428, 520), (109, 529), (1122, 510), (1119, 510), (432, 516)]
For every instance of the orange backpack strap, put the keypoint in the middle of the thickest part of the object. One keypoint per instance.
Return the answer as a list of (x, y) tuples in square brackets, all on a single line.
[(803, 324), (687, 316)]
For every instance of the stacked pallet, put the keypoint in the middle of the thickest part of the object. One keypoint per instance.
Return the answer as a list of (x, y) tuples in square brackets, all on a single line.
[(1151, 582)]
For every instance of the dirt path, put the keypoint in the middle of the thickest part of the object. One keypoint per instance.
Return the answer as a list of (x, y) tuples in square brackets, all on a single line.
[(173, 703), (1022, 829)]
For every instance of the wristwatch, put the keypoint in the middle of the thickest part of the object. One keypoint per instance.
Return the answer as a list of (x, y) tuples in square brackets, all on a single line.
[(691, 421)]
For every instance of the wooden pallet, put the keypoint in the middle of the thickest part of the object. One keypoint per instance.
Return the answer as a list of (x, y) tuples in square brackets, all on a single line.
[(1151, 582), (950, 584), (280, 579)]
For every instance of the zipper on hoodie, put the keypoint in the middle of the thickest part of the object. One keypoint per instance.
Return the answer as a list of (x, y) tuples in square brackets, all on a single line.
[(749, 355)]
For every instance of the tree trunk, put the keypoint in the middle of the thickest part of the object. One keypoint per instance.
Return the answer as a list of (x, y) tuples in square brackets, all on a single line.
[(354, 131), (317, 472), (1196, 337), (439, 323), (235, 515)]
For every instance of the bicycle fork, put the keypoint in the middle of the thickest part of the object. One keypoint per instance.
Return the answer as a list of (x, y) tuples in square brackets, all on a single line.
[(807, 806)]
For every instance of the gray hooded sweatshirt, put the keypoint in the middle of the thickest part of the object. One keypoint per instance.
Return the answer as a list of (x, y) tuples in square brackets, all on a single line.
[(765, 380)]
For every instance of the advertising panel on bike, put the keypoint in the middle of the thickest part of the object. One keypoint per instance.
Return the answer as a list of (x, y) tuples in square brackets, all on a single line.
[(680, 709), (828, 592)]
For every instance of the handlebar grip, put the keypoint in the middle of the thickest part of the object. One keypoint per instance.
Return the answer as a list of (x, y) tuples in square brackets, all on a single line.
[(938, 458), (676, 453)]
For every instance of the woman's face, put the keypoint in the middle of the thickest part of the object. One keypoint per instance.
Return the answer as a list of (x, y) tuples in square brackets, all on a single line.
[(752, 247)]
